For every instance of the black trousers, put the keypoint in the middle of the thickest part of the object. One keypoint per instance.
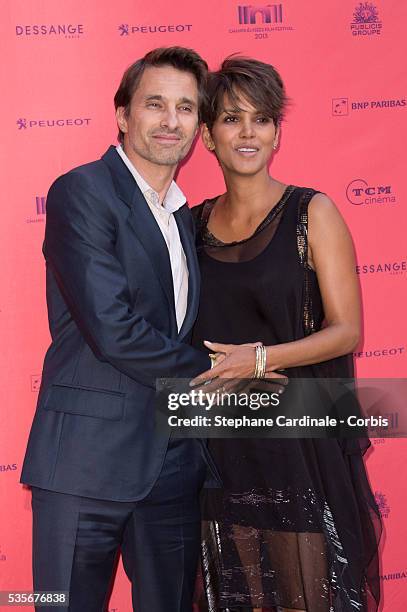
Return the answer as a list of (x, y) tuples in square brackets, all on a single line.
[(76, 540)]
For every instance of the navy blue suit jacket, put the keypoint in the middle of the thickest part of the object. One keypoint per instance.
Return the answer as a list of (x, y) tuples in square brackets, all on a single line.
[(114, 331)]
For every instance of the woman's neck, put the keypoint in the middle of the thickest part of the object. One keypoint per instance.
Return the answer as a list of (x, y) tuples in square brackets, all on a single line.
[(250, 195)]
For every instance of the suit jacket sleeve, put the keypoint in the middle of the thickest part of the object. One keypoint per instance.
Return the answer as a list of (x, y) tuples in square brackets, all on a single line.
[(79, 247)]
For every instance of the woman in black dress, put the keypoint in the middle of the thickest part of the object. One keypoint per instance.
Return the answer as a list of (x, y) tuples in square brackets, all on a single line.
[(296, 526)]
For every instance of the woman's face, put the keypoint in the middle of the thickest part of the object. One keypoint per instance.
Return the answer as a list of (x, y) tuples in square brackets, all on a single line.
[(243, 139)]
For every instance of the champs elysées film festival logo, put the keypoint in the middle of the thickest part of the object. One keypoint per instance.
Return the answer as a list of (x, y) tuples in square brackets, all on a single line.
[(53, 30), (25, 124), (126, 29), (260, 20), (366, 20), (40, 212), (382, 504), (361, 193)]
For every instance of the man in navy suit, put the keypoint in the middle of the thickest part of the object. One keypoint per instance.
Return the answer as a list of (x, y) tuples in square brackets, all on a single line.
[(122, 295)]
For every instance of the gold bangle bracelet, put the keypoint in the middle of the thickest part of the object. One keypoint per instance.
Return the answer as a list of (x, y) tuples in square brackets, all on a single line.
[(261, 357)]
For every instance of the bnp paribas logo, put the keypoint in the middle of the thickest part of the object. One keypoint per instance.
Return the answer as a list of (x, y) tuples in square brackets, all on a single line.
[(8, 467), (35, 382), (366, 20)]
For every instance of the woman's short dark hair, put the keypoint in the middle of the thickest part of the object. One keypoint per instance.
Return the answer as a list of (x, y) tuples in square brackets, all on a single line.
[(181, 58), (248, 79)]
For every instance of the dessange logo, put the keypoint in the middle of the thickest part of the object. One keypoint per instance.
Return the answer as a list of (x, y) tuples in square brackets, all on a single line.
[(383, 267), (55, 30)]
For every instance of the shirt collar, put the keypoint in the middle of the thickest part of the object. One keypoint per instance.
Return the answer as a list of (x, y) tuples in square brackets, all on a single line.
[(174, 198)]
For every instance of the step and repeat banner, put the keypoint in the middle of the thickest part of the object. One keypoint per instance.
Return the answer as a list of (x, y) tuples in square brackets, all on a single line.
[(344, 134)]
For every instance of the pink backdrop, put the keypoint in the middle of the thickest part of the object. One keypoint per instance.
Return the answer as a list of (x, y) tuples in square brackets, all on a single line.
[(345, 134)]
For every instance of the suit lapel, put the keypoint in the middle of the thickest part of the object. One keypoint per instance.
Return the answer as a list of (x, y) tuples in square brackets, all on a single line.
[(142, 222), (182, 217)]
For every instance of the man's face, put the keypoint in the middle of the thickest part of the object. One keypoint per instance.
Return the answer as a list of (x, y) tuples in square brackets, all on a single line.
[(163, 117)]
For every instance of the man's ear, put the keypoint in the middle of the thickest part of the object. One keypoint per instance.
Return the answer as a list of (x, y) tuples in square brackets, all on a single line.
[(121, 119), (207, 138)]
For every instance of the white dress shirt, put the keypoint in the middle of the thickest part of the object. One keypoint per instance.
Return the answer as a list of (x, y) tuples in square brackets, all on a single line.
[(164, 216)]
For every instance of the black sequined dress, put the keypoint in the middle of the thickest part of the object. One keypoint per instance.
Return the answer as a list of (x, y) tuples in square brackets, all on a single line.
[(296, 524)]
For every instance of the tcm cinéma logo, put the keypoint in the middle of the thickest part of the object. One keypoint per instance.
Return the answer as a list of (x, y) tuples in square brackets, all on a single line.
[(360, 192)]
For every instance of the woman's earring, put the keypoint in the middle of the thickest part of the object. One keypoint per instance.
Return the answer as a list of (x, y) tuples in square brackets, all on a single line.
[(275, 145)]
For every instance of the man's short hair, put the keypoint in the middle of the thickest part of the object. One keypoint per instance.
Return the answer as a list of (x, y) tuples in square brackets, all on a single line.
[(181, 58)]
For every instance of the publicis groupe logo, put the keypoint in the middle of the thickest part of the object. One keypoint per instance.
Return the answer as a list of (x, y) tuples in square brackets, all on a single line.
[(360, 193), (8, 467), (380, 352), (26, 124), (53, 30), (35, 382), (394, 268), (366, 20), (126, 29), (381, 501), (40, 209), (260, 20), (343, 107)]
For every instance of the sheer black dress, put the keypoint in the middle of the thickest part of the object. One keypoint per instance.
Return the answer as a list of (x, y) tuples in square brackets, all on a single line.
[(296, 524)]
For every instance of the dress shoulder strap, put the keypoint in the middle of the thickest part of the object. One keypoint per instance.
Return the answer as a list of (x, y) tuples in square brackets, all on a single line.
[(302, 248), (302, 225)]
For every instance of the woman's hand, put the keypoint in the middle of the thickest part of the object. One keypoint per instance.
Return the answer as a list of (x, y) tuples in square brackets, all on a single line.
[(236, 361)]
